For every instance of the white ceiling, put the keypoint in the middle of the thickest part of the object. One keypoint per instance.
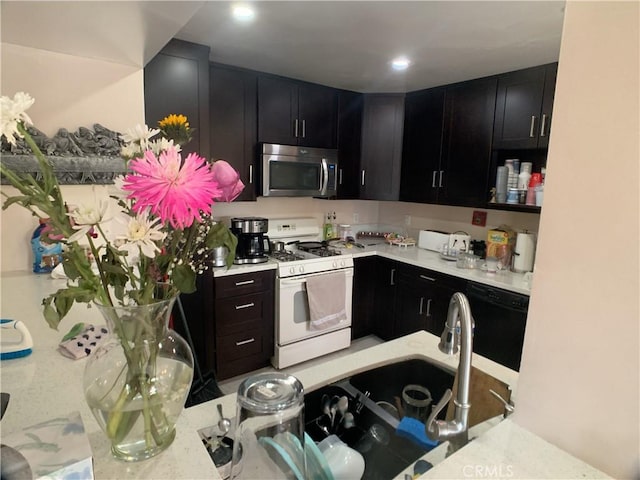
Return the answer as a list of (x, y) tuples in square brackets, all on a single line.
[(345, 44)]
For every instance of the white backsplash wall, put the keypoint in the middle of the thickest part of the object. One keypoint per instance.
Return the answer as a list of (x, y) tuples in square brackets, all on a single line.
[(451, 219)]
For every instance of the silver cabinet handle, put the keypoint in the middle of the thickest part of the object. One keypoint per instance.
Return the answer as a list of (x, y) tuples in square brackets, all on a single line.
[(543, 125), (424, 277), (244, 342), (433, 179), (295, 128), (340, 176), (532, 132), (246, 282), (362, 179), (392, 279), (441, 175), (421, 306), (246, 305), (304, 128), (429, 307), (250, 174)]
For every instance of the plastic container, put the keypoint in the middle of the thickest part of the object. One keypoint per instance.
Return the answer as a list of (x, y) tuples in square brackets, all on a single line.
[(45, 255)]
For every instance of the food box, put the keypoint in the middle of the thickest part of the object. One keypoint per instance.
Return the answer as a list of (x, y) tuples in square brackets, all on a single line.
[(57, 448), (500, 244)]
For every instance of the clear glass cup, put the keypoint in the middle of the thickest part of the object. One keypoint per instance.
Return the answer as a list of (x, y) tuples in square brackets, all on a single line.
[(269, 438)]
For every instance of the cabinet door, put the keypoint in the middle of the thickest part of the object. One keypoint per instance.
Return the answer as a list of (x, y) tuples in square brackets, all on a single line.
[(421, 147), (277, 110), (466, 150), (317, 116), (518, 108), (364, 296), (381, 147), (234, 122), (550, 74), (350, 105), (385, 293), (177, 81)]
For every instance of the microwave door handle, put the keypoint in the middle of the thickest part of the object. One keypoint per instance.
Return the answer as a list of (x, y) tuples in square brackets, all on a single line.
[(324, 177)]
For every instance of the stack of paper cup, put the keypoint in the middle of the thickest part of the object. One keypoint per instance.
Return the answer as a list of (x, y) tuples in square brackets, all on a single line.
[(502, 179)]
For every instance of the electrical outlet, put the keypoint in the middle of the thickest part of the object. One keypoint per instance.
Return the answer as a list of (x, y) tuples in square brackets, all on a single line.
[(479, 219), (356, 218), (407, 220)]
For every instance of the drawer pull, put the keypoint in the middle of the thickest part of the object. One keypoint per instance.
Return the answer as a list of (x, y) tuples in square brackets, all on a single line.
[(424, 277), (421, 306), (245, 342), (429, 307), (246, 282), (246, 305)]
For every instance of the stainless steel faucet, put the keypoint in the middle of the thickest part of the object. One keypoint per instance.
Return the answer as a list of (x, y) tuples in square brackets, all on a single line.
[(456, 430)]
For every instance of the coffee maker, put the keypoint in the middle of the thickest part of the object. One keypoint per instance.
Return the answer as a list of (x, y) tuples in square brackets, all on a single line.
[(253, 244)]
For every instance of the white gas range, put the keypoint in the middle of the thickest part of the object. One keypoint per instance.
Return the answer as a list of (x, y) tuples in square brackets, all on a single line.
[(313, 293)]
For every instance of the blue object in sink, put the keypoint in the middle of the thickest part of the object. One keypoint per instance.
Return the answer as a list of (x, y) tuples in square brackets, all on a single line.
[(413, 429)]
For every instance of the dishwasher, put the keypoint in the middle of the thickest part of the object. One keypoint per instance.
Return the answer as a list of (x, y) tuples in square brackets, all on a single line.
[(500, 319)]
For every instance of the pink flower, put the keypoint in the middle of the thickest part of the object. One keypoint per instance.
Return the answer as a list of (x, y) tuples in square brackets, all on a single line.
[(228, 181), (174, 190)]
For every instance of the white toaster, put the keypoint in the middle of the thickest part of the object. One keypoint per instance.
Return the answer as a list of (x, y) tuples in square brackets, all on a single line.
[(432, 240)]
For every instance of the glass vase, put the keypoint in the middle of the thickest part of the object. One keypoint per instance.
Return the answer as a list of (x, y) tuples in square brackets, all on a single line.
[(136, 381)]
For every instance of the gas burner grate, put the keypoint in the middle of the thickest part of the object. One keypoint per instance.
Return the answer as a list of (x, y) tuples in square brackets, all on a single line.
[(286, 256)]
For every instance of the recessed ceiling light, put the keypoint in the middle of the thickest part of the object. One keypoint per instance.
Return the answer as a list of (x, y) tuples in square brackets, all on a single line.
[(400, 63), (243, 13)]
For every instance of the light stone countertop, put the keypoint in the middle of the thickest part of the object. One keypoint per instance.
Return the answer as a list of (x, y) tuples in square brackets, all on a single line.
[(46, 384), (511, 281)]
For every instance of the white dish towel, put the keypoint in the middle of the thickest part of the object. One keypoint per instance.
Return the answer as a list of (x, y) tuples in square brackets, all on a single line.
[(326, 294)]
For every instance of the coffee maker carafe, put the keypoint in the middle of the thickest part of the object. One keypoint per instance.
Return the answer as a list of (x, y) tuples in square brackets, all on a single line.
[(253, 244)]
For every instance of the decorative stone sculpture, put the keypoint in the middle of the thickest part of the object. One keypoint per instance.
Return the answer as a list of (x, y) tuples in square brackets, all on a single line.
[(82, 157)]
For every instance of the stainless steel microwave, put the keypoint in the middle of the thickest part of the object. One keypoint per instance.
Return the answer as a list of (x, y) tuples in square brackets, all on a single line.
[(290, 171)]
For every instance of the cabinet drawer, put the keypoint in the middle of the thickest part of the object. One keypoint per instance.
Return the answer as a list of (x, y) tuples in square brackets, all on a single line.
[(242, 284), (420, 277), (242, 344), (238, 314)]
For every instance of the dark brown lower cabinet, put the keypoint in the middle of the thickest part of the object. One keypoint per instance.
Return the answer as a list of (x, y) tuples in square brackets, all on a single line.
[(231, 320)]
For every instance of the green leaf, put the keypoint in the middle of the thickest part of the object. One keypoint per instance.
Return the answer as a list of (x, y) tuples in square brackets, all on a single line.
[(184, 278), (51, 316), (219, 235), (75, 330)]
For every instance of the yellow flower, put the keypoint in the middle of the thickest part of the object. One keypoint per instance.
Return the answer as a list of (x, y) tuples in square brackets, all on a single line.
[(174, 120)]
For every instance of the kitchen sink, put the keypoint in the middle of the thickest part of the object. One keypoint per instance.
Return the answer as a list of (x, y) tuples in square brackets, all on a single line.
[(373, 399)]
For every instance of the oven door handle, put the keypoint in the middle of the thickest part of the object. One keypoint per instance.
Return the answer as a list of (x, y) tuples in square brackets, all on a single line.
[(288, 282), (324, 177)]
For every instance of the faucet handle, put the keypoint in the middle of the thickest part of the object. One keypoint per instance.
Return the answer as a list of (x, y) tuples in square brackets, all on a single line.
[(433, 426), (508, 406)]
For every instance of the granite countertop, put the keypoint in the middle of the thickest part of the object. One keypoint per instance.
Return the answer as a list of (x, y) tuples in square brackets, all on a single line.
[(507, 280), (46, 384)]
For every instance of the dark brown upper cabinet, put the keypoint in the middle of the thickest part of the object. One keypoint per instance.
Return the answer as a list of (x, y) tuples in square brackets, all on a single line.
[(176, 81), (233, 96), (466, 142), (523, 108), (381, 146), (447, 143), (291, 112), (350, 109), (422, 145)]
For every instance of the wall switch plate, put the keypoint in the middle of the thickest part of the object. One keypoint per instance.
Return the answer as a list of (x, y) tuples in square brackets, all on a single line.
[(356, 218), (407, 220), (479, 219)]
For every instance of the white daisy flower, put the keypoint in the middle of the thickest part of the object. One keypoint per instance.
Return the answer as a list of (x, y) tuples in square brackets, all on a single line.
[(138, 234), (140, 135), (158, 146), (87, 216), (13, 111)]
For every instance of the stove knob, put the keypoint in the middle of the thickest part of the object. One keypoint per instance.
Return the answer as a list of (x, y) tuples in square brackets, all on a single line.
[(292, 270), (334, 264), (342, 263), (301, 269)]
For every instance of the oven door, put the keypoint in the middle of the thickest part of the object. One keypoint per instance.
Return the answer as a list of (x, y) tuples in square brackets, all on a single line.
[(292, 308)]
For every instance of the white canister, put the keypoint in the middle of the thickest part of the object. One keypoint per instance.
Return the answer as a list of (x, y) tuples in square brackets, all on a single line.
[(524, 252)]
